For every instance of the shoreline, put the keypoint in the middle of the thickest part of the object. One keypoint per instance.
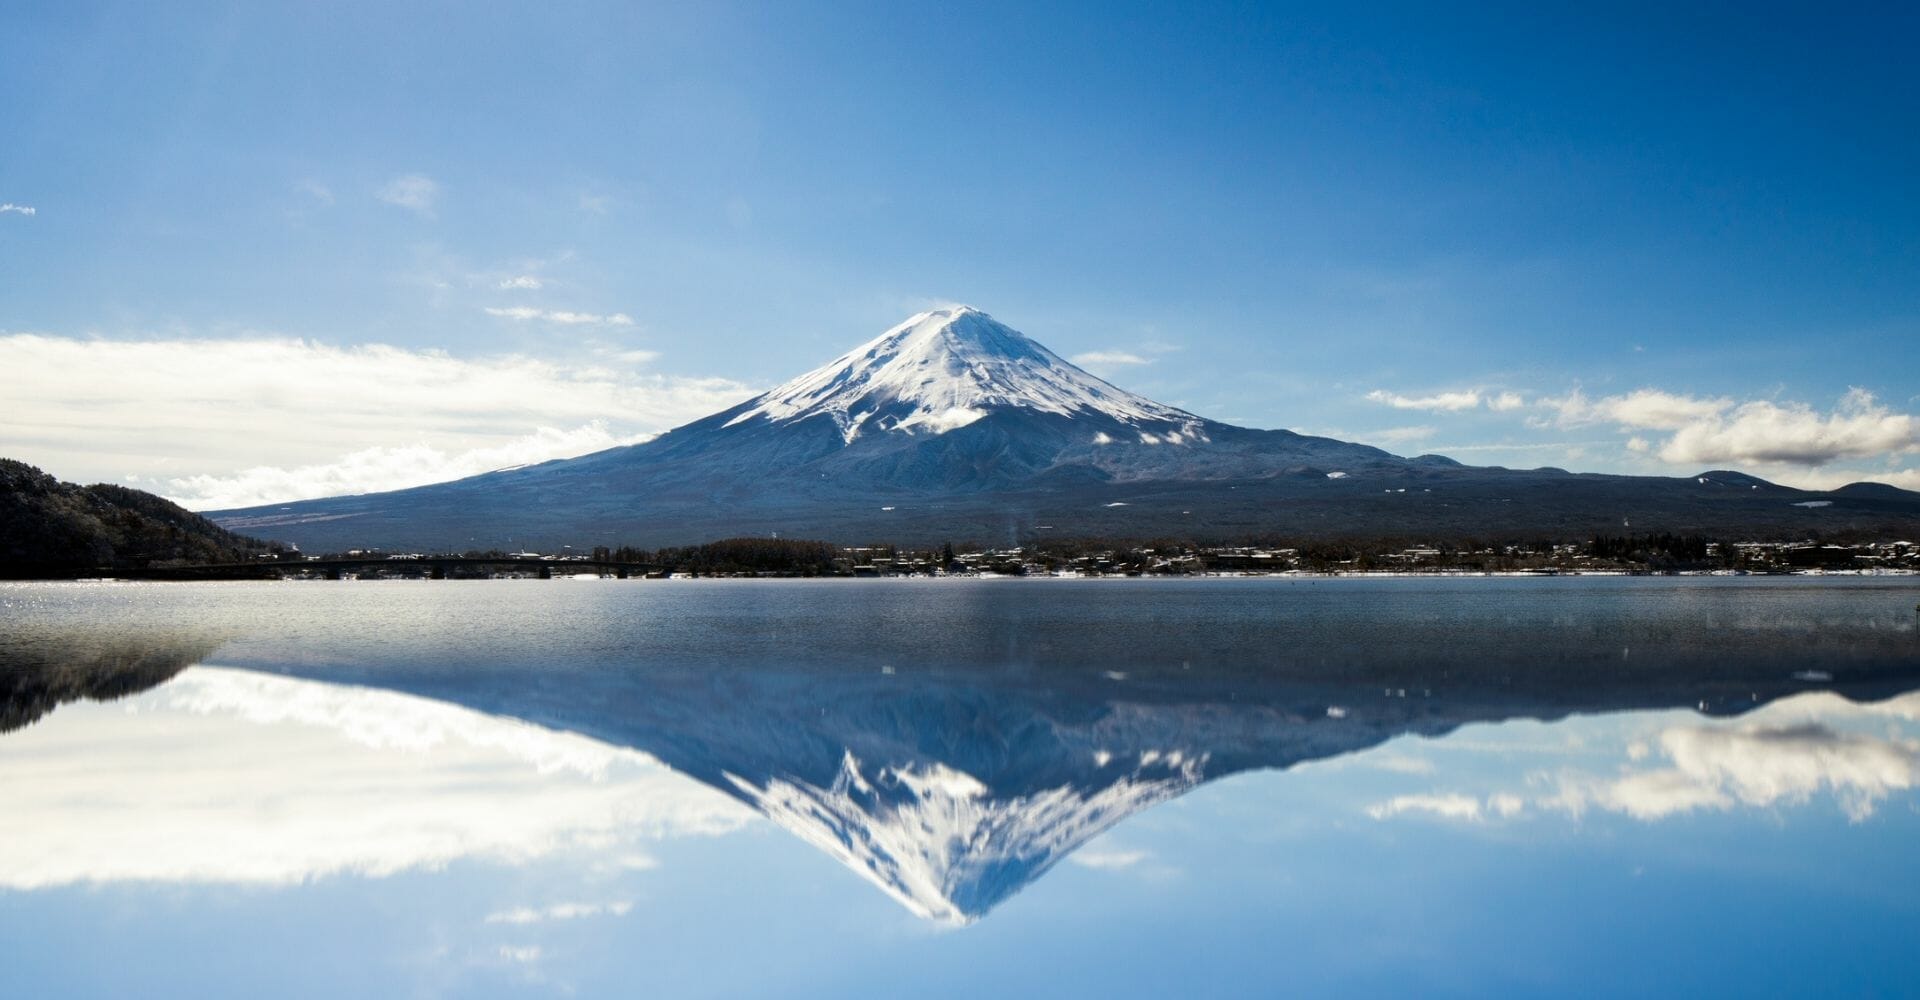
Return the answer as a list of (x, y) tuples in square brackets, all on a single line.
[(1209, 575)]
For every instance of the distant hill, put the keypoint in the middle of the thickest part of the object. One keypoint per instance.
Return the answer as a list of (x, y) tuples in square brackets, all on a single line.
[(953, 426), (53, 529)]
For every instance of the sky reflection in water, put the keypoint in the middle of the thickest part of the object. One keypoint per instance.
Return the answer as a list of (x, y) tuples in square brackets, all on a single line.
[(522, 826)]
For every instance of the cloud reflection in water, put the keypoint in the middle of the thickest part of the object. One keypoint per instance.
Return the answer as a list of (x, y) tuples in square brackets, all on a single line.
[(229, 776), (1783, 754)]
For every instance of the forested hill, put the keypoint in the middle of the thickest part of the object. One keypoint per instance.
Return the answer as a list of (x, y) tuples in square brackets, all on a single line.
[(53, 529)]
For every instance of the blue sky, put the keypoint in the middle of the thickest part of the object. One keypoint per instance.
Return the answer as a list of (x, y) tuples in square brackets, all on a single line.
[(296, 250)]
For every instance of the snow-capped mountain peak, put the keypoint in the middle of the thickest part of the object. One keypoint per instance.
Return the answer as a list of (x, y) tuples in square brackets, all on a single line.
[(944, 369)]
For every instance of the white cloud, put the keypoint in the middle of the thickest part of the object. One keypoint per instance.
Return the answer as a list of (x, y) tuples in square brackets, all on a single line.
[(1107, 860), (1454, 806), (1787, 754), (19, 209), (1109, 359), (1715, 430), (1400, 435), (206, 418), (516, 312), (1644, 795), (1457, 807), (1444, 401), (561, 316), (521, 281), (1716, 768), (373, 470), (1506, 401), (1835, 477), (1399, 763), (414, 192), (1794, 433), (361, 782), (523, 915), (1506, 805), (1641, 409)]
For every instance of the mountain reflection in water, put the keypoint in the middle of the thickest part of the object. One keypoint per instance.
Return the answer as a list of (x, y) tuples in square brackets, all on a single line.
[(951, 785)]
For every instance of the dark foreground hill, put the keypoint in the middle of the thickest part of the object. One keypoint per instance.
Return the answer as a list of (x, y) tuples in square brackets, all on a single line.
[(953, 426), (53, 529)]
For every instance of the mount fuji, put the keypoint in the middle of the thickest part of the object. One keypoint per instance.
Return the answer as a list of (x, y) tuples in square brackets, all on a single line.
[(954, 426)]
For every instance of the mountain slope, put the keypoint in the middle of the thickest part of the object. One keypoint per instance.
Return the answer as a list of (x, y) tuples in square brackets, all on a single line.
[(955, 426)]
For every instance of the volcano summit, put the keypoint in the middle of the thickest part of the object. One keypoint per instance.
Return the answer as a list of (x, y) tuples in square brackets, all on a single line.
[(955, 426)]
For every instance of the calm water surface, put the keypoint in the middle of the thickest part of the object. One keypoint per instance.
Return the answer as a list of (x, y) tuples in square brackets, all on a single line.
[(961, 788)]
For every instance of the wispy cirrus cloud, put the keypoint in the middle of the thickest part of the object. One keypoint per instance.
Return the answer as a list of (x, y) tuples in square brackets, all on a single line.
[(520, 282), (1451, 806), (1109, 359), (562, 316), (1452, 401), (416, 193), (1400, 435), (1445, 402), (18, 209), (523, 915), (1109, 859)]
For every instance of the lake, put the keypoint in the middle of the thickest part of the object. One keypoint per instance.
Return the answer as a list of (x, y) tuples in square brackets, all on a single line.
[(1206, 787)]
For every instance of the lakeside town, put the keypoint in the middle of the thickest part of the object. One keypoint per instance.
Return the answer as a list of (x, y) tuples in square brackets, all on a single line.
[(750, 557)]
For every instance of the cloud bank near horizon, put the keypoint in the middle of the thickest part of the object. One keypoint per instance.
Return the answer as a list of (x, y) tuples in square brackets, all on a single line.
[(388, 783), (1784, 754), (227, 423), (1790, 441), (1763, 431)]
